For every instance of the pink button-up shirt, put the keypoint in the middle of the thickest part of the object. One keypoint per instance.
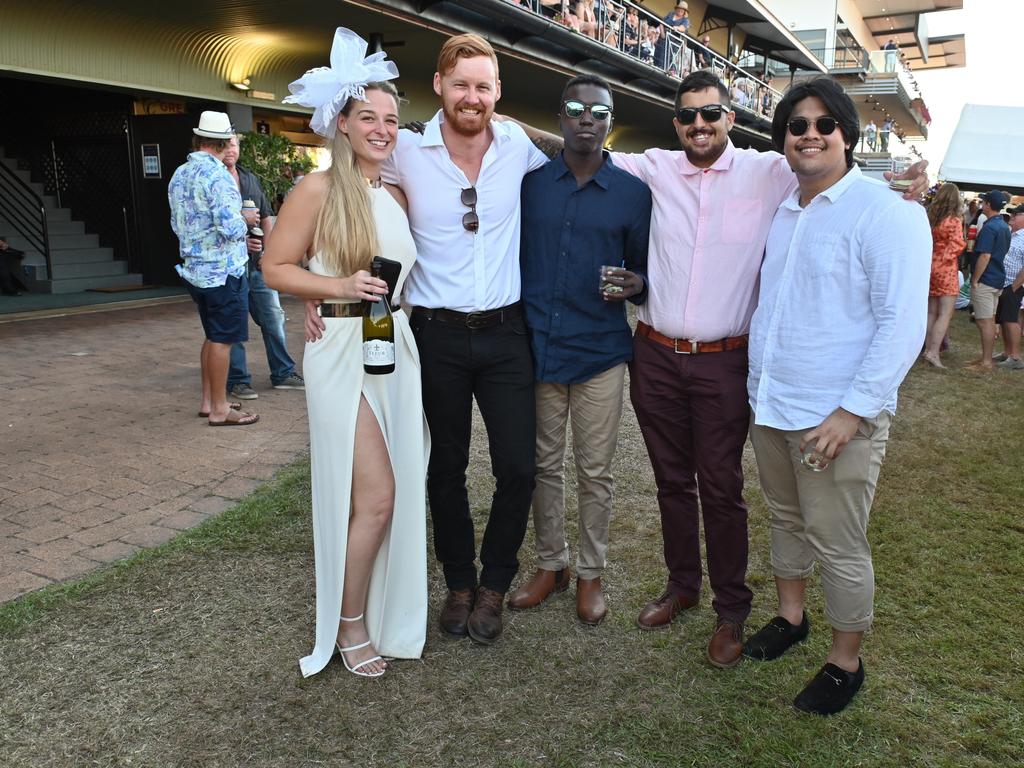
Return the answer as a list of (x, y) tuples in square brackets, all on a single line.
[(708, 230)]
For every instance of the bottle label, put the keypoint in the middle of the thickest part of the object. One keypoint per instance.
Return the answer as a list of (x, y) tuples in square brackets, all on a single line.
[(378, 352)]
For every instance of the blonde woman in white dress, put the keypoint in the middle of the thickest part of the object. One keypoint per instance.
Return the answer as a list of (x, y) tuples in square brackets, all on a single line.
[(368, 436)]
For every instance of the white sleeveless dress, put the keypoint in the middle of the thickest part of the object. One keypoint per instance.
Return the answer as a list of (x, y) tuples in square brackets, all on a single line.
[(396, 605)]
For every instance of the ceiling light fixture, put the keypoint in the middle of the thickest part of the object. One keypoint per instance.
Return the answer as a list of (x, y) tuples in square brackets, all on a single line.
[(242, 85)]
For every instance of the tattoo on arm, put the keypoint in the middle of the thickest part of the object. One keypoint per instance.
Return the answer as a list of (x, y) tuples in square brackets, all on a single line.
[(549, 145)]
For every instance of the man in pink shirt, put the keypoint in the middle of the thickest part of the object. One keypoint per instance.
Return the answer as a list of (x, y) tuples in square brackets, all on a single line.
[(713, 206)]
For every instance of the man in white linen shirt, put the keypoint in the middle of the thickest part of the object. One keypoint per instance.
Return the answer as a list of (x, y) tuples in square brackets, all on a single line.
[(840, 319), (462, 178)]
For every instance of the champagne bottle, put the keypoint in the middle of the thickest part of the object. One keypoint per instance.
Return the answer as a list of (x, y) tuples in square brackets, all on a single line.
[(378, 332)]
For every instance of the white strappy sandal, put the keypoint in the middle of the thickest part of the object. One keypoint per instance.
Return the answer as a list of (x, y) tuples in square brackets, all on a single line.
[(355, 669)]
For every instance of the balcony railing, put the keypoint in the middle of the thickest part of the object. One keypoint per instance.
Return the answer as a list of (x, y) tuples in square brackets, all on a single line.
[(649, 39)]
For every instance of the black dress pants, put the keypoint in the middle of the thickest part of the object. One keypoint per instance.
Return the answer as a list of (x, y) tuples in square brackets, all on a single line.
[(495, 366)]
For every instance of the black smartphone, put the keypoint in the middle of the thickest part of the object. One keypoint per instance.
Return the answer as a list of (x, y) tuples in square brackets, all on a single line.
[(390, 270)]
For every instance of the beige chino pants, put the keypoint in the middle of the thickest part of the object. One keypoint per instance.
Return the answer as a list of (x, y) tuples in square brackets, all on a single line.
[(823, 516), (593, 408)]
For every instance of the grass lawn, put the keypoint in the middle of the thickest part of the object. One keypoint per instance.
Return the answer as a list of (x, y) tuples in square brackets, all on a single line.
[(187, 655)]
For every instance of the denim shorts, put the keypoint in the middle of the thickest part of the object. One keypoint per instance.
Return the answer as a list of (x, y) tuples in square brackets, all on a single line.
[(223, 310)]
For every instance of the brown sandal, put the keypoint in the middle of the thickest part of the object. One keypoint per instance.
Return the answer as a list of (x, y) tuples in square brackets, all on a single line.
[(244, 420), (232, 406)]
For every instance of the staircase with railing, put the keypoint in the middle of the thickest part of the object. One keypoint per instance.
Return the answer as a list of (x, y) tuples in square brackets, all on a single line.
[(60, 256)]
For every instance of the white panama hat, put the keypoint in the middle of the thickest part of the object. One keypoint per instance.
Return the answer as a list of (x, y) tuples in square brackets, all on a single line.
[(214, 125)]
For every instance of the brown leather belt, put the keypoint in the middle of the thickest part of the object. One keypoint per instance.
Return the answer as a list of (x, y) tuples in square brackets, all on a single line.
[(688, 347), (350, 309), (474, 321)]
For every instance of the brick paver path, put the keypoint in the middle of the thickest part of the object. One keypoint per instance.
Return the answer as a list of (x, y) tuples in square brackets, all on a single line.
[(101, 452)]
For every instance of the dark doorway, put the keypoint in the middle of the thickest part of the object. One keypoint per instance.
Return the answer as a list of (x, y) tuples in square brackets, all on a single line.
[(173, 135)]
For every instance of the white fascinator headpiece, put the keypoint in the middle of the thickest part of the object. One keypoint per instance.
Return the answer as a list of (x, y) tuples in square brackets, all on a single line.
[(327, 89)]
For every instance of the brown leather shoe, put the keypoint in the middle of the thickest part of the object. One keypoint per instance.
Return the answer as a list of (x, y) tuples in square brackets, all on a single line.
[(726, 647), (658, 614), (539, 588), (590, 605), (457, 607), (484, 623)]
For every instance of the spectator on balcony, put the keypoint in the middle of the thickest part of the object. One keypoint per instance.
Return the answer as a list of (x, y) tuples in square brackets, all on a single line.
[(883, 135), (702, 54), (608, 16), (871, 134), (586, 14), (646, 44), (659, 38), (559, 10), (679, 18), (631, 33), (767, 97), (891, 55), (739, 93)]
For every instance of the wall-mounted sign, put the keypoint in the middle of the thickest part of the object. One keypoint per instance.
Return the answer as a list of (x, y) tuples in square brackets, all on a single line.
[(151, 161), (158, 107), (265, 95), (263, 127)]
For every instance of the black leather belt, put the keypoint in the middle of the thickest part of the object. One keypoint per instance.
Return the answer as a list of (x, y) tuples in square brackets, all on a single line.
[(351, 309), (474, 321)]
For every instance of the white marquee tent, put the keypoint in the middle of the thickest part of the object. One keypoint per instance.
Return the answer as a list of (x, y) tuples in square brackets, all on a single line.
[(987, 150)]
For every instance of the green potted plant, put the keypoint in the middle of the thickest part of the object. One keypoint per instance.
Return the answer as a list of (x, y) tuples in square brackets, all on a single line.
[(274, 160)]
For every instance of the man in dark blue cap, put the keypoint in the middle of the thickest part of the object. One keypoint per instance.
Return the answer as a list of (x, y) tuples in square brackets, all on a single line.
[(988, 276)]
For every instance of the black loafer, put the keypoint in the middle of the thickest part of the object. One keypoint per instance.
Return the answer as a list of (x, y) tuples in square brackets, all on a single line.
[(830, 690), (775, 638)]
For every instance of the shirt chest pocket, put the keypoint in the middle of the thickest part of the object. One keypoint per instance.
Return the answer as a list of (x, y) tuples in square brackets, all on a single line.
[(741, 221), (819, 254)]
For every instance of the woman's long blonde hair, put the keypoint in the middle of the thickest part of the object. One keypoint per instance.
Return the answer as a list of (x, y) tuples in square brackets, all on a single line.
[(346, 235)]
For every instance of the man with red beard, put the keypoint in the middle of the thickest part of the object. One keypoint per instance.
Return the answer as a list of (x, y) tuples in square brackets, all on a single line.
[(462, 177), (713, 207)]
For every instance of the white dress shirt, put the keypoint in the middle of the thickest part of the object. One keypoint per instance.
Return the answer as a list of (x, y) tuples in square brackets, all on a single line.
[(457, 269), (843, 304)]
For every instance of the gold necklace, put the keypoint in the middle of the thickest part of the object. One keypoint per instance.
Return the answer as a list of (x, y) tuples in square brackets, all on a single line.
[(374, 183)]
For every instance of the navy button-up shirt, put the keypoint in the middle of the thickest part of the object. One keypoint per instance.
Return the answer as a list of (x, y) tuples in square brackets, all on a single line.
[(568, 234)]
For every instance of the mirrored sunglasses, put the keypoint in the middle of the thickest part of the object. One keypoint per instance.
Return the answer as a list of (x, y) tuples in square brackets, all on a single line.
[(576, 109)]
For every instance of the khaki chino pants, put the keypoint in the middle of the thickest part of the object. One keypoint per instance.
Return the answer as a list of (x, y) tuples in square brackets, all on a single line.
[(823, 516), (593, 408)]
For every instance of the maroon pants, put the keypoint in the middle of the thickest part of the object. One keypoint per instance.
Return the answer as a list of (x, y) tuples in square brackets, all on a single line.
[(693, 414)]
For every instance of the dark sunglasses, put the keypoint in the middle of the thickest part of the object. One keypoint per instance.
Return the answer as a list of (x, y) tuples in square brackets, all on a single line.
[(471, 222), (711, 113), (576, 109), (823, 125)]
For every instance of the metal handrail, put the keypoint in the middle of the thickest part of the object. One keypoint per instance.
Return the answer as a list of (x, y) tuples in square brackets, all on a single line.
[(28, 219)]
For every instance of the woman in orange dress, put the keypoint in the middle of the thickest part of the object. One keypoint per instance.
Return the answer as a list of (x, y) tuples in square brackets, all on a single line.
[(944, 215)]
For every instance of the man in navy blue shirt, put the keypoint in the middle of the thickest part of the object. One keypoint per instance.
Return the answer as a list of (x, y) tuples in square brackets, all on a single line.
[(988, 277), (585, 226)]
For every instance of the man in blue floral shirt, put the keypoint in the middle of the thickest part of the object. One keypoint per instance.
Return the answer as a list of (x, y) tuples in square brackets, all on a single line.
[(206, 215)]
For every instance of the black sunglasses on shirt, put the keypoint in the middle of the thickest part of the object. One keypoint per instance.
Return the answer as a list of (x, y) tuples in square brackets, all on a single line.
[(471, 222)]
